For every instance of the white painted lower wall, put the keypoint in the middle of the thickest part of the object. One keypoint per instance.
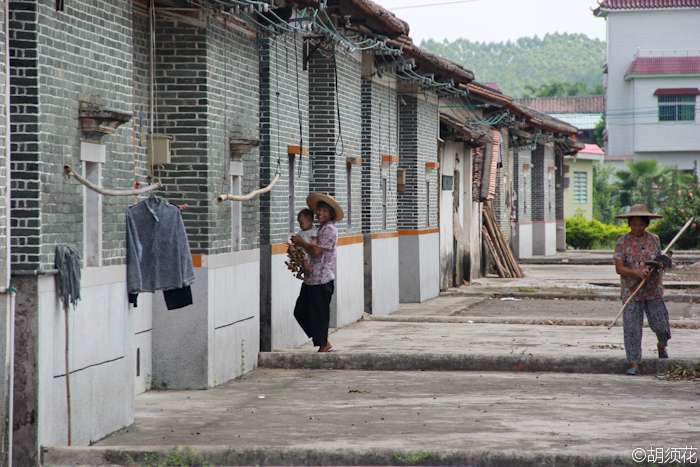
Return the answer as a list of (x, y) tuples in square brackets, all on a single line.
[(561, 235), (522, 242), (429, 266), (419, 267), (101, 359), (544, 238), (348, 301), (285, 287), (385, 275), (202, 345)]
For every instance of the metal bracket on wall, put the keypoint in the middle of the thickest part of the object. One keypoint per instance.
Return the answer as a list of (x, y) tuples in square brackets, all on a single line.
[(308, 53)]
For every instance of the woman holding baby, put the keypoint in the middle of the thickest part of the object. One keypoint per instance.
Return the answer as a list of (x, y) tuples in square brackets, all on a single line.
[(312, 310)]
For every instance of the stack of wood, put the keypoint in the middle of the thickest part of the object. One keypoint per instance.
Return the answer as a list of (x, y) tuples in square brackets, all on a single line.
[(501, 253)]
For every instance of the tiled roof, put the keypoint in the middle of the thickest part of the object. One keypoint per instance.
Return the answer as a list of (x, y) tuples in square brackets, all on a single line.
[(492, 86), (565, 105), (664, 66), (677, 92), (592, 149), (647, 4), (430, 63), (541, 120)]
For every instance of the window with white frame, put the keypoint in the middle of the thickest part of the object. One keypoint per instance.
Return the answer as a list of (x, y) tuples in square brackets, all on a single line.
[(384, 203), (349, 183), (292, 200), (580, 187), (676, 108)]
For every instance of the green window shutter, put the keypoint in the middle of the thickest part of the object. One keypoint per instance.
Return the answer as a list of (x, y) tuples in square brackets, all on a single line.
[(580, 187)]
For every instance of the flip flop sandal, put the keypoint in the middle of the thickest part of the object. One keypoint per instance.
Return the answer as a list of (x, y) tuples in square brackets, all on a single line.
[(632, 372)]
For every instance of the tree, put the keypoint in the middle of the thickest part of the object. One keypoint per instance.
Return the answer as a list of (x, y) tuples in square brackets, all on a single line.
[(649, 183), (558, 89), (568, 58), (606, 199), (599, 130)]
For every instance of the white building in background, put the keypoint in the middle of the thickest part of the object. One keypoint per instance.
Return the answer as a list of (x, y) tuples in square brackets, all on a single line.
[(653, 80)]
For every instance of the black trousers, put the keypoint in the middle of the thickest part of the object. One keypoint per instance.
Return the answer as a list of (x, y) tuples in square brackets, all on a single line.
[(313, 311)]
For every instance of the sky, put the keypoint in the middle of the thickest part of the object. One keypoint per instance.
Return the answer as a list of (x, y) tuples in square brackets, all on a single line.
[(496, 20)]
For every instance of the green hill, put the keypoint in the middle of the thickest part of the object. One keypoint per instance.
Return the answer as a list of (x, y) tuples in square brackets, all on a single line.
[(530, 61)]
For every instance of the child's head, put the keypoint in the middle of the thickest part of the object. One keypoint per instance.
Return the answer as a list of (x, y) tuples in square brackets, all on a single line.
[(306, 219)]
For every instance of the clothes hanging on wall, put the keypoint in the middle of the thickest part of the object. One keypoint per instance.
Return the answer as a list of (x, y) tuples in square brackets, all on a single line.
[(67, 262), (158, 254)]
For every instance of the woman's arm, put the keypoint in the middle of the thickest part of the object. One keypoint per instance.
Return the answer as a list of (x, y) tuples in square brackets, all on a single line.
[(623, 270), (313, 250)]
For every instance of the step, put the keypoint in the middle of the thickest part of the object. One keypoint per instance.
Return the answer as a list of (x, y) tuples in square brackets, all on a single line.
[(404, 361)]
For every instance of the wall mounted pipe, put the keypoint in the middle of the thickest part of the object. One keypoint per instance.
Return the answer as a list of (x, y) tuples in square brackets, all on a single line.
[(10, 337), (106, 191), (35, 272), (250, 195)]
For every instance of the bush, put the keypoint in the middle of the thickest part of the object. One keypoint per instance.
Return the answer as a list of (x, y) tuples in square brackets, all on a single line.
[(583, 234), (676, 211)]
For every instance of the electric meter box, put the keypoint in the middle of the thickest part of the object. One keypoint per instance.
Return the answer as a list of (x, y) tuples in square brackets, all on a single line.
[(158, 151)]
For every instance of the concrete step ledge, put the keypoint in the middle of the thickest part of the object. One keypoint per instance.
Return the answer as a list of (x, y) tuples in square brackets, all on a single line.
[(458, 362), (677, 323), (60, 456), (684, 259), (680, 298)]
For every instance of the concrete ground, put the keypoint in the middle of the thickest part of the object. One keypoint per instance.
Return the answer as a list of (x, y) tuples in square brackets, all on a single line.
[(463, 379), (322, 417)]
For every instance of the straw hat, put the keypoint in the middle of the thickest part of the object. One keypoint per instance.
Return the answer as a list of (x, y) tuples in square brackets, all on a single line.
[(639, 210), (313, 199)]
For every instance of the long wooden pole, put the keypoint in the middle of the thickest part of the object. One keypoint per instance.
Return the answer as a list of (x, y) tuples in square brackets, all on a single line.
[(496, 245), (65, 308), (509, 253), (670, 244), (492, 249)]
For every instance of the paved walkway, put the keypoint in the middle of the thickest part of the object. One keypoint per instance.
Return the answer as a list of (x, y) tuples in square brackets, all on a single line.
[(463, 379)]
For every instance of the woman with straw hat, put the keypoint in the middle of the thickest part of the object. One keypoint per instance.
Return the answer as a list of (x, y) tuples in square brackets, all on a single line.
[(312, 310), (632, 252)]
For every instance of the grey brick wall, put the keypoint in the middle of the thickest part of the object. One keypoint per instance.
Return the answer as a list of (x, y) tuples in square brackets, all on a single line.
[(49, 78), (284, 102), (543, 185), (331, 141), (196, 99), (418, 132), (523, 185), (378, 138), (233, 105), (559, 189)]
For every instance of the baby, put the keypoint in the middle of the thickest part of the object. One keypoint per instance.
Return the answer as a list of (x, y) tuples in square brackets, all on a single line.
[(309, 234)]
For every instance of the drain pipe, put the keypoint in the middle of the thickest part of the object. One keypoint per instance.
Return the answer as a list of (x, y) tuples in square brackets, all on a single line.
[(151, 53)]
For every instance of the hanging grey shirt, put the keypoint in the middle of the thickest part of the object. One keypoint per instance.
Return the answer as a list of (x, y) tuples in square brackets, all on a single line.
[(157, 251)]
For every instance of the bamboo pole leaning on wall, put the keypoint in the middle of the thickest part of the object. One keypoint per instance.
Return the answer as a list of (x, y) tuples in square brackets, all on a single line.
[(504, 258), (492, 250), (516, 267)]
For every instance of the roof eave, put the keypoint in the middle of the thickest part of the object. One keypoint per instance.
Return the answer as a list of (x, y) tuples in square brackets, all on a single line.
[(434, 63), (675, 75)]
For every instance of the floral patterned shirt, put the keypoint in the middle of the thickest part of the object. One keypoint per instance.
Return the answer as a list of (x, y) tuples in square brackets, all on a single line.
[(323, 265), (633, 254)]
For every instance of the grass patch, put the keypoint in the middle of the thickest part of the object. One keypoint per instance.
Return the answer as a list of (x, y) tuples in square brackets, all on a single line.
[(187, 457), (412, 458)]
